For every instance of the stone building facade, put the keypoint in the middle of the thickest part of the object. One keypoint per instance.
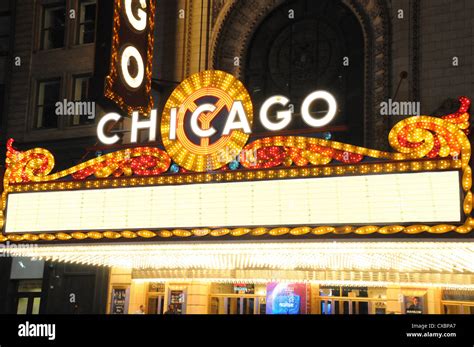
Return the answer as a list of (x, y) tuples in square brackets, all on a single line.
[(420, 40)]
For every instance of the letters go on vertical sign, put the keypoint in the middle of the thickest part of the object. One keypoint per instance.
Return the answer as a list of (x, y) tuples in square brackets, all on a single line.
[(128, 83)]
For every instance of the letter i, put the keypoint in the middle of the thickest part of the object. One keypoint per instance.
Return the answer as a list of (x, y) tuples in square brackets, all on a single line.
[(173, 123)]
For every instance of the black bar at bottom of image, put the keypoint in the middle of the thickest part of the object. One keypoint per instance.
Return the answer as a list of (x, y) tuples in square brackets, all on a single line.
[(390, 330)]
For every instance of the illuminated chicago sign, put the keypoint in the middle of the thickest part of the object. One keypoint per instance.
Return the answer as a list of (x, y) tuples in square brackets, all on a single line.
[(297, 186), (209, 114), (208, 99), (128, 83)]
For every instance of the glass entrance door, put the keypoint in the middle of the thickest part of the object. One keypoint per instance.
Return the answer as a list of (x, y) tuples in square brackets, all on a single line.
[(343, 300), (237, 304), (156, 298), (156, 304), (28, 297), (28, 304)]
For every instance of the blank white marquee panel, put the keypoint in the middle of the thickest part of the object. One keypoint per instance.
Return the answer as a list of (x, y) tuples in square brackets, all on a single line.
[(373, 199)]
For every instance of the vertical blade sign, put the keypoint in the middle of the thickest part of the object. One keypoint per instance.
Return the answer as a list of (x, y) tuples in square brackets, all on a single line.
[(128, 83)]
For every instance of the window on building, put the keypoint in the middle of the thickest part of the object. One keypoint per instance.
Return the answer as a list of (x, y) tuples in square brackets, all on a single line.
[(48, 94), (84, 110), (4, 6), (296, 57), (4, 35), (87, 19), (53, 26)]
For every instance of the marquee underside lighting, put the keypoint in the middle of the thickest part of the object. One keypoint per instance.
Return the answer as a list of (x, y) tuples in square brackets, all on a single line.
[(410, 257), (373, 279)]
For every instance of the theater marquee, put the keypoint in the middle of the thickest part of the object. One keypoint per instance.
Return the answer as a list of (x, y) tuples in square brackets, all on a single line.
[(294, 186)]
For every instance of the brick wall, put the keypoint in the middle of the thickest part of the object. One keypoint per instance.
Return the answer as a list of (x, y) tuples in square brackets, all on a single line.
[(446, 29)]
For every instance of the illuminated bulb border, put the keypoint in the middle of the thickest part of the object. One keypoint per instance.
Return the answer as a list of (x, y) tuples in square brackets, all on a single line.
[(204, 158), (373, 284), (417, 260)]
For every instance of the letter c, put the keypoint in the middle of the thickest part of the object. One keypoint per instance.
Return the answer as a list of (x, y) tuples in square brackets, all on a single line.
[(107, 140), (194, 121)]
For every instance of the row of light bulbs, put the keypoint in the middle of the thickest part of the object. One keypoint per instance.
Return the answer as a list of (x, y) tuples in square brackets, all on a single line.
[(450, 257)]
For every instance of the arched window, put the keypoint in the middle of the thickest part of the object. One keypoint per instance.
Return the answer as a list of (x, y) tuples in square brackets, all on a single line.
[(301, 47)]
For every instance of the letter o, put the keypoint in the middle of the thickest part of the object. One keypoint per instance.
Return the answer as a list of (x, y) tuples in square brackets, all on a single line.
[(127, 54), (328, 118)]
